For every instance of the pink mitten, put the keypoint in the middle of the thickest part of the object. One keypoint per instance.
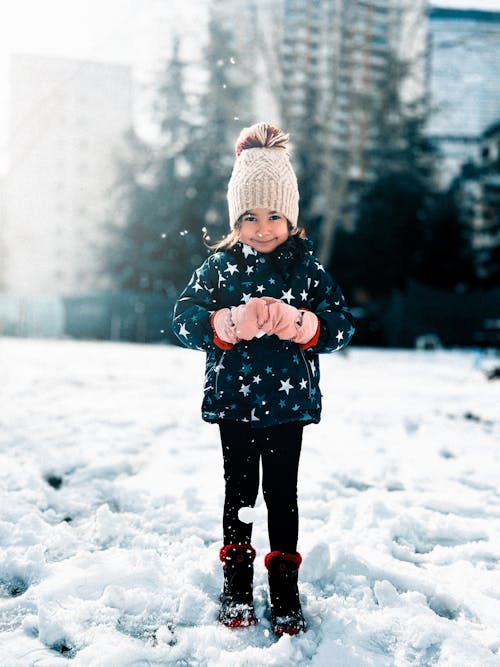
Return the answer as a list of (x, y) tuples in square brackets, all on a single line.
[(223, 326), (249, 318), (283, 320), (307, 328)]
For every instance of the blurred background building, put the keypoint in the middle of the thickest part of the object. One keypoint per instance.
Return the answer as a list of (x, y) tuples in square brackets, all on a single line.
[(393, 109), (477, 191), (336, 59), (68, 121), (464, 103), (464, 83)]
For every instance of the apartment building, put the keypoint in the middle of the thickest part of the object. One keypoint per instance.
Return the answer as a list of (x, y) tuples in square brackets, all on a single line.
[(68, 119), (463, 83), (343, 49)]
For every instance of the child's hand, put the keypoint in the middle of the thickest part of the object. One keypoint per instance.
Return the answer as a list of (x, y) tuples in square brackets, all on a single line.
[(249, 318), (289, 323), (283, 320), (224, 327), (307, 328)]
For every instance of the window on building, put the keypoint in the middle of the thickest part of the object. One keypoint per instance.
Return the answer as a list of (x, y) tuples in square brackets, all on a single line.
[(377, 40)]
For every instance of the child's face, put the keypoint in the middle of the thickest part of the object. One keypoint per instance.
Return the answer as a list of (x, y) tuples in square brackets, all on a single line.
[(263, 229)]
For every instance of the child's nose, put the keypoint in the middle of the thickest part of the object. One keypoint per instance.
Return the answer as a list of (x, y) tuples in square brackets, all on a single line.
[(262, 229)]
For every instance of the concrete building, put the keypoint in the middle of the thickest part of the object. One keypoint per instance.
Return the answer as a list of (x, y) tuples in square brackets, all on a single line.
[(463, 83), (67, 121), (344, 48)]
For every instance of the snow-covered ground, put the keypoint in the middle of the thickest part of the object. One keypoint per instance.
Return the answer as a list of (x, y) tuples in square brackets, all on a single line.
[(111, 497)]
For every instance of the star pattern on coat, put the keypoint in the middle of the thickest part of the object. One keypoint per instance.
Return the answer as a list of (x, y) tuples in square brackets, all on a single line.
[(287, 296), (286, 386), (231, 268), (247, 250), (266, 380), (253, 417)]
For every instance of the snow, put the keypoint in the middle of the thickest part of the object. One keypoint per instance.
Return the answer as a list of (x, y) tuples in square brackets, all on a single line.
[(111, 509)]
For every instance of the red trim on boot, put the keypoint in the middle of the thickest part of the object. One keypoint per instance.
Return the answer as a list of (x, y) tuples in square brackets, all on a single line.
[(282, 555), (279, 631), (241, 622), (223, 553)]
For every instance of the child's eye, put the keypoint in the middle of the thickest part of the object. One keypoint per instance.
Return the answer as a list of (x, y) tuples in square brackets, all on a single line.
[(249, 218), (275, 217)]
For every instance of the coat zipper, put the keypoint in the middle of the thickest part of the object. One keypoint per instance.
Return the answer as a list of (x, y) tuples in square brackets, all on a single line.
[(217, 373), (308, 373)]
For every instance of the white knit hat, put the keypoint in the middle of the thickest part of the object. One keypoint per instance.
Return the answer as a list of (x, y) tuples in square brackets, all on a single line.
[(263, 176)]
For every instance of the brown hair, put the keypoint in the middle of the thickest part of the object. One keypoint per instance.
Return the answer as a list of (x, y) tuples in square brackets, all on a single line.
[(233, 237)]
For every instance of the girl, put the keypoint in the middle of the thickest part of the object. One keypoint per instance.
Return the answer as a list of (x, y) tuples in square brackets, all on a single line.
[(262, 307)]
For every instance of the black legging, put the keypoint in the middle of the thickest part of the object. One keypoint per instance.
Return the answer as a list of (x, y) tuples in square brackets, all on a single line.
[(279, 446)]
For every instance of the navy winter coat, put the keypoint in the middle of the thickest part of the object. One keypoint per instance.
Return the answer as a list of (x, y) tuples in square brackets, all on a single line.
[(264, 381)]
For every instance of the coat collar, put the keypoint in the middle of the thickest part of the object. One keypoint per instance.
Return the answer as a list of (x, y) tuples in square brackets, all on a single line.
[(281, 258)]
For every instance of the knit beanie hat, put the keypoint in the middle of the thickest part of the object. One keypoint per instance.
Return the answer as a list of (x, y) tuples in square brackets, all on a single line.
[(263, 176)]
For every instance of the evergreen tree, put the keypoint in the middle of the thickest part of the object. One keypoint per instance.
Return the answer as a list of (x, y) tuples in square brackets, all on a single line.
[(224, 110), (446, 258), (396, 199), (307, 132), (148, 246), (175, 193), (389, 233), (475, 195), (168, 196), (396, 140)]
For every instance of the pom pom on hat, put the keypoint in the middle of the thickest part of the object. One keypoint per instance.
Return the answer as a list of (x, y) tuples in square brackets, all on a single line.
[(261, 135), (263, 176)]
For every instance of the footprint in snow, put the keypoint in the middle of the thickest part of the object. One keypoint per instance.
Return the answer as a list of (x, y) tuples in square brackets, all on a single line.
[(425, 545), (64, 648), (13, 587), (55, 481)]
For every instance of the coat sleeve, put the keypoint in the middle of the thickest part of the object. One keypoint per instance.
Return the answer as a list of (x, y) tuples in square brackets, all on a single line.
[(195, 306), (328, 303)]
